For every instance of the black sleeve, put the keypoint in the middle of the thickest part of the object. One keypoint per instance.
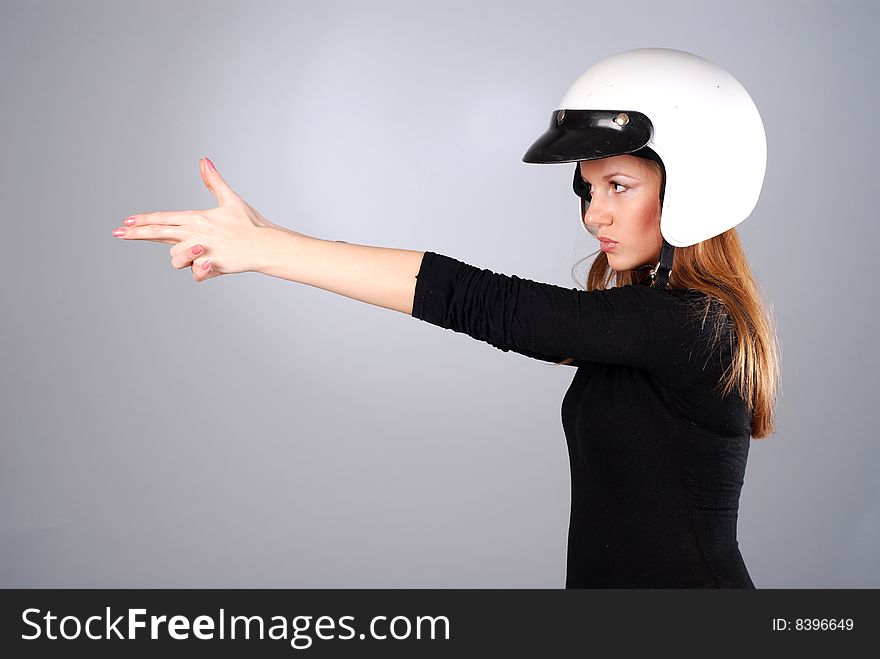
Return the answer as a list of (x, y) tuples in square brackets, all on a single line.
[(633, 325)]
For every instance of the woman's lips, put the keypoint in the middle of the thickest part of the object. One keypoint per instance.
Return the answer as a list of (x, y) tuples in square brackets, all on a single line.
[(607, 245)]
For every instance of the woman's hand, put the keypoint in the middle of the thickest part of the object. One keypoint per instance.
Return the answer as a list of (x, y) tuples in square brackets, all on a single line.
[(213, 242)]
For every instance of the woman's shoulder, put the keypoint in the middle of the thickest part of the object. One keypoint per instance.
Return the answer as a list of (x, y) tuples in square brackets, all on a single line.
[(688, 321), (649, 297)]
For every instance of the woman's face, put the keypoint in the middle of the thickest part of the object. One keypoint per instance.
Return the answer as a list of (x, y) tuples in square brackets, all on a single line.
[(625, 208)]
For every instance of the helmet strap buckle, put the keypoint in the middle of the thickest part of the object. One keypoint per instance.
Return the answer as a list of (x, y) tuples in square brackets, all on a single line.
[(660, 272)]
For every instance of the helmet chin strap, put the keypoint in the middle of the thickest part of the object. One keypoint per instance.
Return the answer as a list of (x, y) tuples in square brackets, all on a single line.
[(660, 272)]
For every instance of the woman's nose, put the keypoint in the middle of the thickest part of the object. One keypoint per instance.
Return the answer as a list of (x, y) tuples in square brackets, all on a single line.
[(596, 218)]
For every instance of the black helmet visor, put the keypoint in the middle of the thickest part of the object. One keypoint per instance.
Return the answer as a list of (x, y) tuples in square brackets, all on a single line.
[(589, 135)]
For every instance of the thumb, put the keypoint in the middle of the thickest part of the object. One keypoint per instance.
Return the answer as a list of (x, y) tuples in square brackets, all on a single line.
[(215, 183)]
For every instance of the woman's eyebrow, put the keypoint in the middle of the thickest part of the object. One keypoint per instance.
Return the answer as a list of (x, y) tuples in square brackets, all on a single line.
[(613, 174)]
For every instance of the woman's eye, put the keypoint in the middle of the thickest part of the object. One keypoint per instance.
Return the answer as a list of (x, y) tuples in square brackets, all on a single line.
[(618, 185)]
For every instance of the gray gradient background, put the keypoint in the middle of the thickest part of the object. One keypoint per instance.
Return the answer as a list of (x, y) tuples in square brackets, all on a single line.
[(249, 431)]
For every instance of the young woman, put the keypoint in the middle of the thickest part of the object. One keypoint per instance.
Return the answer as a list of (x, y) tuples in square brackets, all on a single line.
[(677, 367)]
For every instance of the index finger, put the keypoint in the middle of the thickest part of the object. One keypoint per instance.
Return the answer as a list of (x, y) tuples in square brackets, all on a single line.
[(174, 218)]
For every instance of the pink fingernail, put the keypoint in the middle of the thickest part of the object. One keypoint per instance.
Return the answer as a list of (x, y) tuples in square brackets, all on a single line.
[(206, 265), (197, 249), (210, 164), (118, 232)]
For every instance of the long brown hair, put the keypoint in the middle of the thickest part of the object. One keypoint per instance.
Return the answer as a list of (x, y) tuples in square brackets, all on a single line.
[(718, 268)]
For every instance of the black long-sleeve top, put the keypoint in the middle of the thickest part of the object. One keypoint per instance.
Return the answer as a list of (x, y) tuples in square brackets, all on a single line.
[(657, 456)]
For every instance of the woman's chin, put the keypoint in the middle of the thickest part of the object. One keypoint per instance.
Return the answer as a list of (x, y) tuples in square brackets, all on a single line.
[(616, 263), (620, 263)]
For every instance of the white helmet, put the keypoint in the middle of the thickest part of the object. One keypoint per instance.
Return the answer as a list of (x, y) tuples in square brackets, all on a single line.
[(695, 116)]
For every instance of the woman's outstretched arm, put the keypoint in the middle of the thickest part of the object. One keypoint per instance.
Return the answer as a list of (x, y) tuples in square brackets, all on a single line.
[(633, 325), (382, 276)]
